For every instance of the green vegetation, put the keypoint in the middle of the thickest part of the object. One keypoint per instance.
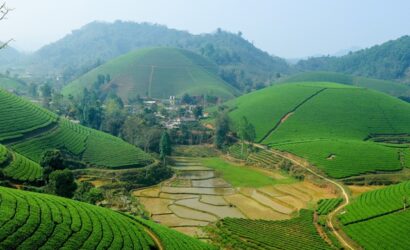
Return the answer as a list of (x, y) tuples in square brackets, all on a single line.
[(387, 232), (388, 87), (18, 167), (39, 221), (329, 124), (14, 113), (157, 73), (23, 169), (297, 233), (325, 206), (377, 203), (256, 156), (241, 176), (383, 61), (28, 126), (173, 240), (380, 219)]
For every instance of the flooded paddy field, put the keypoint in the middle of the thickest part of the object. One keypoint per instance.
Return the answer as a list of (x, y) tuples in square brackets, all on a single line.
[(199, 195)]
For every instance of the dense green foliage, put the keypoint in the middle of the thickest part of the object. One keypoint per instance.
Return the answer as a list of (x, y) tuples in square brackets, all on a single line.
[(14, 115), (387, 232), (18, 167), (325, 206), (389, 60), (380, 219), (173, 240), (297, 233), (157, 73), (40, 221), (388, 87), (377, 203), (18, 117), (334, 126)]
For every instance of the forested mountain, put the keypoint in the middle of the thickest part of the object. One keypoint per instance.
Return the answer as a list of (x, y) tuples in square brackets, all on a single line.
[(390, 60), (8, 56), (241, 63)]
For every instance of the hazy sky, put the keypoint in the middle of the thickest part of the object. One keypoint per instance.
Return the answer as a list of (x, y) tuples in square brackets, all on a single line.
[(287, 28)]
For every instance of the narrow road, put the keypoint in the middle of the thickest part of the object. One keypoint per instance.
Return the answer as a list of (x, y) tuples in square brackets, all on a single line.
[(334, 213)]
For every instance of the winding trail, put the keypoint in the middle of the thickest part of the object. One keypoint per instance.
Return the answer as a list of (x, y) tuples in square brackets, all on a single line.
[(155, 238), (332, 215)]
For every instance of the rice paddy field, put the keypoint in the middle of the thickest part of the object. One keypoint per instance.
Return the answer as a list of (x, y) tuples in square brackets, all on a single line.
[(158, 73), (343, 130), (206, 190)]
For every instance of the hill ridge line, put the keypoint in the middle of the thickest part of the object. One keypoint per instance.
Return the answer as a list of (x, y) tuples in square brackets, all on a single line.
[(283, 118)]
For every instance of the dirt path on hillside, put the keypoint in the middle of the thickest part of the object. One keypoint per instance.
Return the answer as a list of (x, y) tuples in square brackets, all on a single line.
[(331, 217), (288, 114), (155, 238)]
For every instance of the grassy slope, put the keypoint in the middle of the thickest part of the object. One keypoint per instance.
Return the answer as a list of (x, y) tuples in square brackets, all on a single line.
[(388, 87), (11, 84), (377, 220), (241, 176), (32, 220), (334, 122), (175, 72), (19, 117)]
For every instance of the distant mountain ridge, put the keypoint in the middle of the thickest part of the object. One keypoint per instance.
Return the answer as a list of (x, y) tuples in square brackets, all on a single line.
[(390, 60), (240, 62)]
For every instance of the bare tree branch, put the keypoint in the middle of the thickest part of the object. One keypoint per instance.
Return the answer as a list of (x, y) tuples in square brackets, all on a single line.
[(6, 43), (4, 10)]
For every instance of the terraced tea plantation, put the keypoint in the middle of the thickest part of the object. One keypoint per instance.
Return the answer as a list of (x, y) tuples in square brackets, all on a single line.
[(14, 113), (31, 130), (297, 233), (380, 219), (331, 125), (38, 221), (209, 189), (18, 167)]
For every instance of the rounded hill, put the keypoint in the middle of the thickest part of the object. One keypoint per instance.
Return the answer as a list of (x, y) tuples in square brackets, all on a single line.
[(31, 131), (156, 73), (343, 130)]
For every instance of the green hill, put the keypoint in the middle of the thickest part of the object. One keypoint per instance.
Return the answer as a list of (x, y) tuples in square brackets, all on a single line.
[(31, 130), (157, 73), (343, 130), (380, 219), (39, 221), (388, 87)]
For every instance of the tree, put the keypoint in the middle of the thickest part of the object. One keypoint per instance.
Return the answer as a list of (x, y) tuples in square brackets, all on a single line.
[(62, 183), (198, 112), (222, 128), (246, 132), (88, 193), (4, 11), (46, 94), (51, 160), (165, 145)]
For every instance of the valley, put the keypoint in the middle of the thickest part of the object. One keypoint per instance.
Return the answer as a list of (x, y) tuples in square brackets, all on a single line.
[(136, 135)]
